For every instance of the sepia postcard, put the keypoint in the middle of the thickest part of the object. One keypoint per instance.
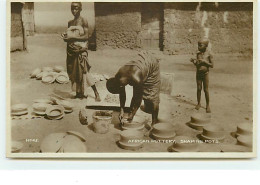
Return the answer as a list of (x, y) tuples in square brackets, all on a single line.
[(114, 80)]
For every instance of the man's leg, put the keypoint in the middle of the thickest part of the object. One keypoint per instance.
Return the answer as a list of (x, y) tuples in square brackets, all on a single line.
[(206, 91), (152, 108), (155, 111), (199, 87)]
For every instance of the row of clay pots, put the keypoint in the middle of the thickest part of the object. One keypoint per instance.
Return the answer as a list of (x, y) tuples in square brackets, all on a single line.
[(210, 132), (44, 107), (49, 75)]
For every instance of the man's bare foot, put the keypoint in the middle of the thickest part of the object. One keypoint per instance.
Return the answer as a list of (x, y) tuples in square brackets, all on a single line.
[(97, 99), (208, 109), (198, 107)]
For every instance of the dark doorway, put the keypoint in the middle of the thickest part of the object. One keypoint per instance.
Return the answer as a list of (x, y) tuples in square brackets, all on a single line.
[(152, 26)]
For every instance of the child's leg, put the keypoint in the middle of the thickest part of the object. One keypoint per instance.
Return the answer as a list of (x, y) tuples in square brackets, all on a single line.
[(199, 87), (79, 93), (206, 91), (90, 81), (96, 93)]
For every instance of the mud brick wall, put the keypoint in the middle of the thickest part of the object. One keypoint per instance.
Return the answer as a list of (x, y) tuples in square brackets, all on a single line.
[(17, 39), (229, 27), (118, 25), (28, 18)]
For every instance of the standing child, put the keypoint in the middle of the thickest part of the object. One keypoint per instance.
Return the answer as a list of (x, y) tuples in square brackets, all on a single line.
[(77, 55), (203, 62)]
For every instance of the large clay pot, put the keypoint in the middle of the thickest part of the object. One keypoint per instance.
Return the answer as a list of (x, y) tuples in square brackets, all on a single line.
[(101, 121)]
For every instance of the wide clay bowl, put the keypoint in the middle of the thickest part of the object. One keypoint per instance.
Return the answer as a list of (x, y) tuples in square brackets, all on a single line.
[(55, 112), (244, 129), (72, 144), (137, 123), (68, 106), (163, 130), (200, 118), (184, 144), (245, 140), (19, 109), (47, 69), (62, 78), (48, 78), (58, 69), (35, 72), (77, 134), (213, 132), (52, 143), (40, 75), (43, 100), (40, 108)]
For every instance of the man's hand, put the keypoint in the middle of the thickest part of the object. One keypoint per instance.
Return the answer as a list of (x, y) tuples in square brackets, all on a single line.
[(130, 117), (121, 115)]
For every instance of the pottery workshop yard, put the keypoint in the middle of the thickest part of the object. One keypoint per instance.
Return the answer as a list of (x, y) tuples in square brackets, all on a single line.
[(46, 118)]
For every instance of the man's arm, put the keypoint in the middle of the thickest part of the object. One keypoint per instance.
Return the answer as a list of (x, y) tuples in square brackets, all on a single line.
[(136, 100), (122, 98)]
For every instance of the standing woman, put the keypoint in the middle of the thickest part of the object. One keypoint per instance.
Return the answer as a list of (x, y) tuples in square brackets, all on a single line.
[(77, 55)]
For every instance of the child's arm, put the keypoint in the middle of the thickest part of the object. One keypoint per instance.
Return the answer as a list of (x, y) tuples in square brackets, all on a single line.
[(209, 62), (194, 61), (83, 37)]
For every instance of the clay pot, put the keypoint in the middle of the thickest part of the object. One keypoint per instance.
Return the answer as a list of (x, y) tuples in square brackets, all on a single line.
[(199, 120), (244, 129), (245, 140), (163, 131), (131, 139), (137, 123), (212, 133), (101, 121), (184, 144)]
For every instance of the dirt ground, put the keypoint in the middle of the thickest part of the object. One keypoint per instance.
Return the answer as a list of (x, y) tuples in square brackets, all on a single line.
[(231, 94)]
